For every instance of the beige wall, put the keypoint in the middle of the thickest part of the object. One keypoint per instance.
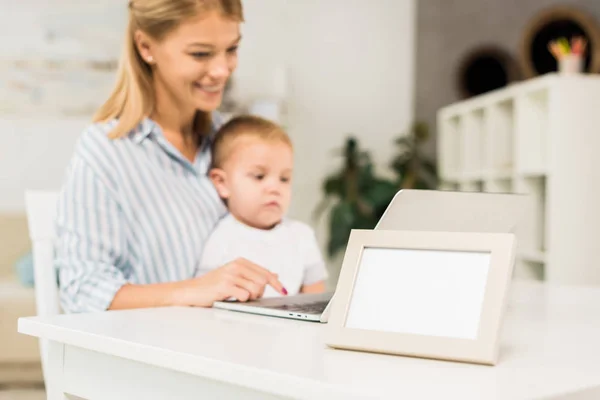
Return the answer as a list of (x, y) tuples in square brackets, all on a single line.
[(14, 241), (15, 300)]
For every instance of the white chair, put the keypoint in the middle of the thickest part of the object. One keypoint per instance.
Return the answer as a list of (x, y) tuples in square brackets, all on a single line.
[(41, 212)]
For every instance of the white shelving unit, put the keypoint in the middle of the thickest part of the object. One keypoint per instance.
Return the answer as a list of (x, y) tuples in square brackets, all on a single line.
[(540, 137)]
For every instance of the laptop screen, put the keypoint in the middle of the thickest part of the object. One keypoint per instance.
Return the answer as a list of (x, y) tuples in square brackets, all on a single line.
[(422, 292)]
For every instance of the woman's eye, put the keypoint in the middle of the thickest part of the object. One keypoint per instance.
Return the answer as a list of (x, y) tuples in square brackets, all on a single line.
[(206, 54), (201, 55), (285, 180), (259, 177)]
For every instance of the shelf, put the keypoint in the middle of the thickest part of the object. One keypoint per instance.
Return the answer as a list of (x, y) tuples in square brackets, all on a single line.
[(529, 270), (450, 186), (501, 95), (498, 186), (498, 148), (449, 149), (535, 137), (470, 177), (471, 186), (472, 146), (534, 223), (499, 174), (532, 173), (533, 257), (531, 124)]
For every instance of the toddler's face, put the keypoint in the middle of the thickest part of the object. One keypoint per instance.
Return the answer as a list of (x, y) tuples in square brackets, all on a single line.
[(256, 181)]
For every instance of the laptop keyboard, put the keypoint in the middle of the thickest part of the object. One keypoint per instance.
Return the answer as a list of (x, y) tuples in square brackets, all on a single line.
[(309, 308)]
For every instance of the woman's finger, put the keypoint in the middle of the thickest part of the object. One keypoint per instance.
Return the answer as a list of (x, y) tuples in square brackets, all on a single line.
[(247, 272), (254, 289), (239, 293), (272, 278)]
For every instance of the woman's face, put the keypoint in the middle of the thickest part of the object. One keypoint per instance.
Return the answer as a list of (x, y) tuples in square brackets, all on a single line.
[(193, 63)]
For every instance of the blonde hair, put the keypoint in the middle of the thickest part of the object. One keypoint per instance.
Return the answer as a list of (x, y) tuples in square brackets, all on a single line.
[(132, 98), (243, 127)]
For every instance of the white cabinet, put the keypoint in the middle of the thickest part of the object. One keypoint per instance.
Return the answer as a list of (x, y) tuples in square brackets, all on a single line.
[(540, 137)]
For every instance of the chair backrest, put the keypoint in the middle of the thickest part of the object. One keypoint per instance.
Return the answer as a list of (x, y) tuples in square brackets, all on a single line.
[(41, 207)]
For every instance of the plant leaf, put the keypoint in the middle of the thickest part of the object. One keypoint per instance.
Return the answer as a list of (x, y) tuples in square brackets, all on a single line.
[(321, 207), (334, 186), (429, 173), (380, 195), (429, 166), (342, 219), (422, 184), (421, 132), (404, 140)]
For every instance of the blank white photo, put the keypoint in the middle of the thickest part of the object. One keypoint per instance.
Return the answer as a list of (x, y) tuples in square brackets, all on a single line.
[(421, 292)]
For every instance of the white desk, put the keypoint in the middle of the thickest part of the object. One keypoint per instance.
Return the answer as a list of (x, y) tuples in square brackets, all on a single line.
[(550, 350)]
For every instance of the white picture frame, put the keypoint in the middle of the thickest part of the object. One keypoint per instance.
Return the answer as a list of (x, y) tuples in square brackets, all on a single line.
[(478, 267)]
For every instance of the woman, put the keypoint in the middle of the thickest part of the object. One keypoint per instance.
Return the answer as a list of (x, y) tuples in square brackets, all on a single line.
[(137, 205)]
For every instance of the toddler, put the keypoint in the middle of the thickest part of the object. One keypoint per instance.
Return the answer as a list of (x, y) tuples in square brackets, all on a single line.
[(251, 170)]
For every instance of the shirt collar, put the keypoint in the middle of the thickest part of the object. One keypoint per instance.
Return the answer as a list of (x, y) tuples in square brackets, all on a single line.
[(143, 130), (148, 126)]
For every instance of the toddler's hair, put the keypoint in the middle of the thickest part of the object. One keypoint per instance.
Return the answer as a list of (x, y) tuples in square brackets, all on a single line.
[(242, 127)]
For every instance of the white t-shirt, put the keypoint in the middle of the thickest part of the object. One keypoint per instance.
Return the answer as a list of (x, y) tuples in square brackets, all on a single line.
[(290, 250)]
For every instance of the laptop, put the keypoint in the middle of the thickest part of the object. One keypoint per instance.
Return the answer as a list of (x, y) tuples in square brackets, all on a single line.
[(410, 209)]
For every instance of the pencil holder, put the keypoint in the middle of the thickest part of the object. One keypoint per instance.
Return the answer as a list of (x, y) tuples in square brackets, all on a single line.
[(570, 64)]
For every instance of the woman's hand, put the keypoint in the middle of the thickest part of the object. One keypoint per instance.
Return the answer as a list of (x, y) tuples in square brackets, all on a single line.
[(318, 287), (240, 279)]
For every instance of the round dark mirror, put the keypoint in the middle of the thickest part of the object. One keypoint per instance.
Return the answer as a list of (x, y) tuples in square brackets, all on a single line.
[(485, 69), (553, 24), (543, 62)]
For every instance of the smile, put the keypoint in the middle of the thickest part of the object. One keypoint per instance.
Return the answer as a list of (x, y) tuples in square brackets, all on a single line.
[(213, 89)]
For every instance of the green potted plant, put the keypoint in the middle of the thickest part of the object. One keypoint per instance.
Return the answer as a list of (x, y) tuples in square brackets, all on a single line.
[(356, 198), (413, 168)]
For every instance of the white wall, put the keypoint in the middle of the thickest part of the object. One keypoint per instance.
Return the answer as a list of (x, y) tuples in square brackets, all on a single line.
[(34, 154), (351, 70), (56, 66)]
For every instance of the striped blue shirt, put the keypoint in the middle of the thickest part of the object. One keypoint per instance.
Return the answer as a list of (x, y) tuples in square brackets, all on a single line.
[(131, 210)]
